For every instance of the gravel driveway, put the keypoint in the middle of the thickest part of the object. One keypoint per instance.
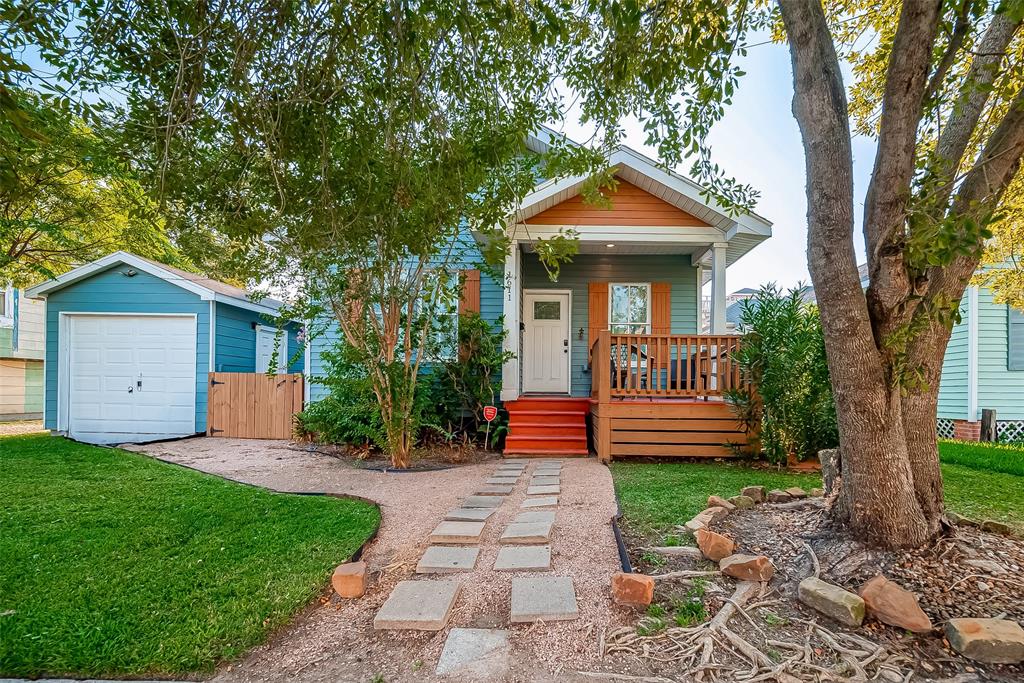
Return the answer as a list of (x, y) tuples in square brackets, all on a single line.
[(335, 641)]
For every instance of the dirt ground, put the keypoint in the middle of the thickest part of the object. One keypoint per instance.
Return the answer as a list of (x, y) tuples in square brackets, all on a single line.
[(335, 641), (21, 427)]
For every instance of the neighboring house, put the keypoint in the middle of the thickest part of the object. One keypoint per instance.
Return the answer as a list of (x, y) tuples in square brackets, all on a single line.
[(983, 369), (640, 270), (129, 343), (21, 356)]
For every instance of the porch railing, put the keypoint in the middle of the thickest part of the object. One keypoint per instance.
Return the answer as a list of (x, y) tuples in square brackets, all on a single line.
[(663, 365)]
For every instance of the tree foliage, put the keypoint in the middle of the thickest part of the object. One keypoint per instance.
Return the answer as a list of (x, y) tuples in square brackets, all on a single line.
[(788, 403)]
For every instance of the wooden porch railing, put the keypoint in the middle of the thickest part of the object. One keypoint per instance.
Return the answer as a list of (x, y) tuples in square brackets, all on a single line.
[(663, 365)]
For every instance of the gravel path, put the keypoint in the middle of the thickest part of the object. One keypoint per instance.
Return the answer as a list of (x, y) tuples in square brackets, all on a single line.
[(336, 642), (21, 427)]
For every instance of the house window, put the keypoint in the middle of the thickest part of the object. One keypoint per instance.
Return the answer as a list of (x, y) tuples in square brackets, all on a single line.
[(6, 306), (1015, 339), (629, 307)]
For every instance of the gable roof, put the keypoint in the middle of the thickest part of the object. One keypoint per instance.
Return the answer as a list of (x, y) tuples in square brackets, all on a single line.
[(742, 232), (206, 288)]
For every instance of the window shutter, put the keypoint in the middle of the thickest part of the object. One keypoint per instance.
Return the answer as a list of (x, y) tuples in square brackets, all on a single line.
[(597, 313), (1015, 339), (469, 300), (661, 308)]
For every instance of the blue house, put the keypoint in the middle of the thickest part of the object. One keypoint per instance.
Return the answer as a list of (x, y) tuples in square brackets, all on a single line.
[(129, 343), (635, 284), (983, 369)]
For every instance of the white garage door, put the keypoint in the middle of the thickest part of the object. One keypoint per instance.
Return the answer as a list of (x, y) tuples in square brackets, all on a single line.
[(131, 378)]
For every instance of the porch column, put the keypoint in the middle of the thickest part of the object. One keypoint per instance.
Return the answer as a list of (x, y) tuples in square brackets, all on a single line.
[(718, 288), (510, 308)]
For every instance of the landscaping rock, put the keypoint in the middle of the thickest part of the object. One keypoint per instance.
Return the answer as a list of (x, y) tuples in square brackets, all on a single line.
[(747, 567), (756, 493), (718, 501), (891, 604), (960, 520), (716, 514), (349, 579), (992, 641), (779, 496), (714, 546), (990, 566), (796, 492), (635, 590), (701, 521), (742, 502), (817, 492), (832, 601), (996, 527)]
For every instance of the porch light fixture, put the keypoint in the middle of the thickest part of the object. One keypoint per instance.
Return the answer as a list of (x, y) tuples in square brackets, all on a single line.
[(609, 245)]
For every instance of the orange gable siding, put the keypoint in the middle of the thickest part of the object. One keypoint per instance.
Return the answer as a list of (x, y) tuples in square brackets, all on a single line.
[(630, 206)]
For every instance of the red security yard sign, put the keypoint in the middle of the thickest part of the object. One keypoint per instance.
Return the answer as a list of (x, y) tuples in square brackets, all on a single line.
[(490, 412)]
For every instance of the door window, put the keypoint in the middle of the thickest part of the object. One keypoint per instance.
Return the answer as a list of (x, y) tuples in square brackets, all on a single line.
[(547, 310)]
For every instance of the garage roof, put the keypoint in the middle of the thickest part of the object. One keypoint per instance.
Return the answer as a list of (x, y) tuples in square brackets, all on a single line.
[(206, 288)]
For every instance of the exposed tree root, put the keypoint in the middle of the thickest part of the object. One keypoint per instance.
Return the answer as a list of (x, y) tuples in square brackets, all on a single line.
[(715, 653)]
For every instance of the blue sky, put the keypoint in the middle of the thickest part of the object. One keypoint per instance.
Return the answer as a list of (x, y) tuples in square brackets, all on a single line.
[(758, 142)]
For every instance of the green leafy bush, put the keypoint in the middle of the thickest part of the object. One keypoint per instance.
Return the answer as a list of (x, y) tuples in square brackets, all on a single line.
[(463, 384), (350, 414), (788, 403)]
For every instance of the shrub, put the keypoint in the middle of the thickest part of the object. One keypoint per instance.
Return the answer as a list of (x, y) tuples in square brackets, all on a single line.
[(464, 384), (789, 401), (350, 414)]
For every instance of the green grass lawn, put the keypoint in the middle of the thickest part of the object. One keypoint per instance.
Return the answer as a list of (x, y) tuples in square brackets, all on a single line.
[(979, 483), (118, 565)]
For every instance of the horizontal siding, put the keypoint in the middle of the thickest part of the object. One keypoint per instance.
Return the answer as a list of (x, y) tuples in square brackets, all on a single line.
[(953, 384), (999, 388), (464, 254), (111, 292), (235, 346), (30, 328), (586, 268), (629, 206)]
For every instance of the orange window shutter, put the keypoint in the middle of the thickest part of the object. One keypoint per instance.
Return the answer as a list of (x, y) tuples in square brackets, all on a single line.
[(597, 313), (661, 308), (469, 300)]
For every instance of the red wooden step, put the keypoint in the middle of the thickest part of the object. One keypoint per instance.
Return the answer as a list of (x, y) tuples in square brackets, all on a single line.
[(578, 431), (547, 417), (514, 444), (548, 403), (547, 452)]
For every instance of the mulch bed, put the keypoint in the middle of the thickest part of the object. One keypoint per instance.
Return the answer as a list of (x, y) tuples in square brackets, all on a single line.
[(967, 573), (424, 459)]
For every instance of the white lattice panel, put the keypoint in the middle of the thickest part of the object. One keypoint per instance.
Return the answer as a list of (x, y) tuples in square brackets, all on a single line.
[(1010, 431), (944, 426)]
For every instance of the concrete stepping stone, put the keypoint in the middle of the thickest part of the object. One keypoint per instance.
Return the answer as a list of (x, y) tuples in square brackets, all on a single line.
[(469, 514), (516, 461), (545, 598), (483, 501), (508, 473), (479, 653), (457, 532), (542, 490), (493, 490), (439, 559), (545, 481), (526, 533), (506, 481), (535, 516), (540, 502), (523, 558), (418, 605)]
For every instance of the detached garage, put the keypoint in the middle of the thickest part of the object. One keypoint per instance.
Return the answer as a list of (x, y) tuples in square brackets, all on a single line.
[(129, 343)]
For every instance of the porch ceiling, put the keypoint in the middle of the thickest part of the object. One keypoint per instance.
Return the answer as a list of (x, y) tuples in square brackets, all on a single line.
[(623, 248)]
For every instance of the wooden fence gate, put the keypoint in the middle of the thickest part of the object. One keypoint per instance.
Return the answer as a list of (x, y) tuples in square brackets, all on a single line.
[(251, 405)]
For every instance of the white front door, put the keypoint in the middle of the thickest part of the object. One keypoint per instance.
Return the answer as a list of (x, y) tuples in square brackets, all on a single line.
[(546, 342), (266, 340), (131, 378)]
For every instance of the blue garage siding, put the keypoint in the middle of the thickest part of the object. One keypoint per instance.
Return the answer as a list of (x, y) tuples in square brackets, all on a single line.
[(586, 268), (111, 292), (235, 344)]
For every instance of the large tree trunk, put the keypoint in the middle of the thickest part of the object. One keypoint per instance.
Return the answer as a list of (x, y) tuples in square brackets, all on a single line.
[(877, 479)]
